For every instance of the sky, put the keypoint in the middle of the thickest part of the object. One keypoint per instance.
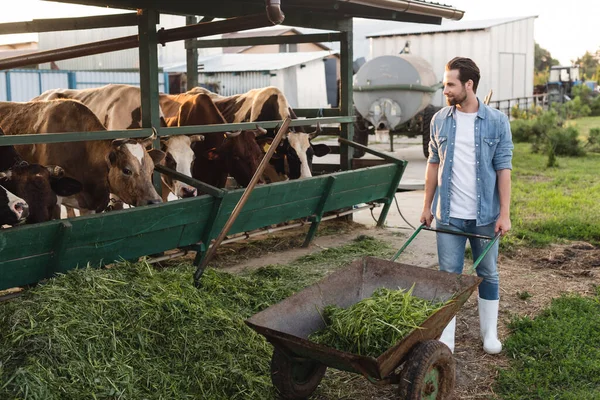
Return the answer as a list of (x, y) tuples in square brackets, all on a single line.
[(566, 29)]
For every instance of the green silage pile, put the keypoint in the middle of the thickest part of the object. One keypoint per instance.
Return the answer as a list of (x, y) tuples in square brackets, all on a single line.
[(136, 332), (375, 324)]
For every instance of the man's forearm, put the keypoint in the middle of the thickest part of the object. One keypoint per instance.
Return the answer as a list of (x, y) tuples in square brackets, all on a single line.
[(431, 180), (504, 183)]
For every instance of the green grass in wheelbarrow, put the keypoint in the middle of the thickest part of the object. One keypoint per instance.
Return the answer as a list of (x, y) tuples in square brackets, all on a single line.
[(373, 325)]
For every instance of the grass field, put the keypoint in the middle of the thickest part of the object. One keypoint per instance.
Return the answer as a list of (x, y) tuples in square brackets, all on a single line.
[(554, 204)]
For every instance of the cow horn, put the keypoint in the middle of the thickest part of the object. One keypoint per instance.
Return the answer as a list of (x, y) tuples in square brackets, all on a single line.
[(261, 130), (197, 138), (148, 141), (230, 135), (55, 171), (316, 133)]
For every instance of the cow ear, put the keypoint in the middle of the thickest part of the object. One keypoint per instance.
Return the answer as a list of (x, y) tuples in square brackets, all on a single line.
[(321, 149), (111, 158), (157, 156), (66, 186)]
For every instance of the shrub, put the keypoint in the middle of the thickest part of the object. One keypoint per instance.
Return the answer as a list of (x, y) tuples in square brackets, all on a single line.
[(593, 142), (565, 142)]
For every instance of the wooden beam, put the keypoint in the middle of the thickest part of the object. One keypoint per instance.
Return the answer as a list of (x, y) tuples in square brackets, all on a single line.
[(70, 24), (346, 102), (191, 57), (255, 41)]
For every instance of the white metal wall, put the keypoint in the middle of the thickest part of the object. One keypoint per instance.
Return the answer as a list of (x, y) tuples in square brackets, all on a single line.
[(172, 53), (312, 85), (303, 87), (235, 83), (503, 53)]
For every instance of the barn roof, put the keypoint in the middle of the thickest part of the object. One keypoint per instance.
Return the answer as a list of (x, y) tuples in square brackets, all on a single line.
[(400, 10), (446, 26), (251, 62)]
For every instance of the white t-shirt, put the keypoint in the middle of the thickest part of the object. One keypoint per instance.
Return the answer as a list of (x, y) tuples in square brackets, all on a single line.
[(463, 188)]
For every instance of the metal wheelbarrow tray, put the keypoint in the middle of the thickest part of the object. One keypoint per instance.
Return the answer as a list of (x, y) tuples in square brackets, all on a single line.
[(288, 324)]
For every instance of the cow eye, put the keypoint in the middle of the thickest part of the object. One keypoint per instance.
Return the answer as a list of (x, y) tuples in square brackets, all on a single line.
[(127, 171)]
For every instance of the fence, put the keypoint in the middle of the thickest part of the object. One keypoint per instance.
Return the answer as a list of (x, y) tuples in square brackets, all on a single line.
[(25, 84), (524, 103)]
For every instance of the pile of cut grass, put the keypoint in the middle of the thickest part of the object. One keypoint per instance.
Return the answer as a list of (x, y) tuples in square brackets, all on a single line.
[(134, 332), (557, 354), (375, 324)]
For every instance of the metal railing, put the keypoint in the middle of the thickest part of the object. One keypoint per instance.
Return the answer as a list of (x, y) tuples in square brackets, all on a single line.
[(524, 103)]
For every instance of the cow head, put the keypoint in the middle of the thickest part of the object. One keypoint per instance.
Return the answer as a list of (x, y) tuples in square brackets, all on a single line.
[(130, 169), (239, 154), (38, 186), (13, 209), (233, 153), (295, 154), (179, 157)]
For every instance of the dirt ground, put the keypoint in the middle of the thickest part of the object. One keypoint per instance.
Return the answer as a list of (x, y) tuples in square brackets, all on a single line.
[(529, 280)]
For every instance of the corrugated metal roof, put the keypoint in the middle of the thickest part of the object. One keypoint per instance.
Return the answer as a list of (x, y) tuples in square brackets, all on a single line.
[(251, 62), (447, 26)]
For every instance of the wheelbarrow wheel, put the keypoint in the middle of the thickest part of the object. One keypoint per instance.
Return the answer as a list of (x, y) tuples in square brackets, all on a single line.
[(429, 372), (296, 378)]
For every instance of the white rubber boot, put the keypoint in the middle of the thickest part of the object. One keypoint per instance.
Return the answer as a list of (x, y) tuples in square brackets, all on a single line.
[(488, 325), (448, 334)]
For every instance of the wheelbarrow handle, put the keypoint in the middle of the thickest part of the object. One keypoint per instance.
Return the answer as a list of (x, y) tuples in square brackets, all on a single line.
[(492, 240)]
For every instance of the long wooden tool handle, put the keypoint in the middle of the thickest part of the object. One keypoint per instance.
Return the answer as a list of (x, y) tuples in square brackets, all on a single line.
[(238, 208)]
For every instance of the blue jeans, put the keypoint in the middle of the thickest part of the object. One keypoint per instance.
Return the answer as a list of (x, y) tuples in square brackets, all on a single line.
[(451, 253)]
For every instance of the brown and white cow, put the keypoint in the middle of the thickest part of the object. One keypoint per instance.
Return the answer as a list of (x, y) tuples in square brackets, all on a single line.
[(121, 166), (218, 155), (118, 107), (296, 152), (36, 186)]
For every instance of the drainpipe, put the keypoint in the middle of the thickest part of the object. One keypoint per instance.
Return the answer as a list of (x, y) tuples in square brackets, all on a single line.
[(412, 6), (274, 12)]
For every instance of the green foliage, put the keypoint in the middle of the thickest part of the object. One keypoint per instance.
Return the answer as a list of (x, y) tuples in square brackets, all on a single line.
[(543, 59), (593, 141), (556, 355), (375, 324), (588, 65), (524, 295), (547, 134)]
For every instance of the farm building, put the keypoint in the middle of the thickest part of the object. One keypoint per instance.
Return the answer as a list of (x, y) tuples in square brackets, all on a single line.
[(301, 76), (502, 48)]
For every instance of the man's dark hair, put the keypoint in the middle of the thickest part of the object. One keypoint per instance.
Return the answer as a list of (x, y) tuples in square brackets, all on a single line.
[(467, 69)]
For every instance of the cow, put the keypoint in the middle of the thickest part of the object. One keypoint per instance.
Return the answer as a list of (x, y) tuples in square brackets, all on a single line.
[(118, 107), (35, 186), (295, 154), (120, 166), (218, 155), (13, 209)]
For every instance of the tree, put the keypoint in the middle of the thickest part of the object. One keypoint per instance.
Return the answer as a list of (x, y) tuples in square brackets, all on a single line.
[(588, 64), (543, 59)]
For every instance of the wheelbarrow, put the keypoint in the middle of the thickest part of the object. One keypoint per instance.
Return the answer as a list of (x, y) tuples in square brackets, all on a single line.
[(421, 366)]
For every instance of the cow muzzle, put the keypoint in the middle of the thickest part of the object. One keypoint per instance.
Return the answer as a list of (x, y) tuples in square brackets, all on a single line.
[(20, 209)]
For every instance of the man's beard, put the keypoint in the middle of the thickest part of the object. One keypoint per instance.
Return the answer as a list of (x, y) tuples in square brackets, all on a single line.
[(456, 100)]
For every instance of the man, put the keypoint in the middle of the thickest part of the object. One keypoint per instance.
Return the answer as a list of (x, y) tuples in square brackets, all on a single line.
[(467, 187)]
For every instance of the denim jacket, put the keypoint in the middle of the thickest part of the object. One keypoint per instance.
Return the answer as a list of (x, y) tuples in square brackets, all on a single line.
[(493, 152)]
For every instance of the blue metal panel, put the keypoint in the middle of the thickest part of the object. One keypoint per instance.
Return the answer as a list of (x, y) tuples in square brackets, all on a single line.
[(8, 87)]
